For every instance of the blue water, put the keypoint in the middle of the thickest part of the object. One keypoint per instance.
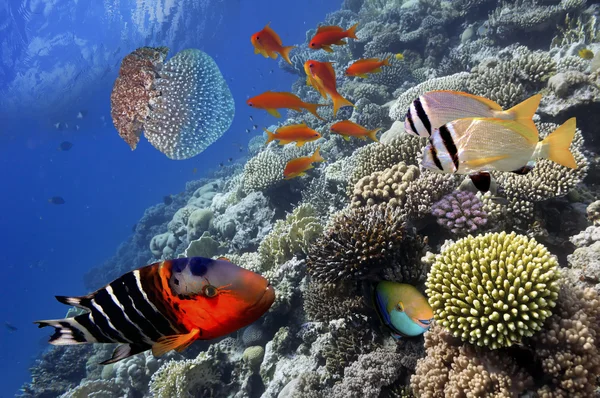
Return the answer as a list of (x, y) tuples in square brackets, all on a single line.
[(46, 248)]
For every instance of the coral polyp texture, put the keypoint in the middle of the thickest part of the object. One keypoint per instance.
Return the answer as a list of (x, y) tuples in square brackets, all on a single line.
[(460, 212), (493, 290), (183, 105)]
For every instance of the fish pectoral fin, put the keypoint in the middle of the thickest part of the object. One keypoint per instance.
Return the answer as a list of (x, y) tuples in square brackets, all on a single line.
[(475, 163), (340, 42), (273, 112), (256, 50), (300, 143), (346, 137), (284, 142), (376, 70), (362, 138), (327, 48), (177, 342), (363, 75), (125, 351)]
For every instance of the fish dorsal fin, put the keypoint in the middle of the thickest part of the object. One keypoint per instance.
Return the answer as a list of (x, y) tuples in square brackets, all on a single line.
[(224, 259), (330, 28), (270, 31), (177, 342), (125, 351), (82, 302), (492, 104)]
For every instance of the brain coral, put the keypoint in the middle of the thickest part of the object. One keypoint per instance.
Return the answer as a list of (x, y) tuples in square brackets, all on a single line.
[(494, 289)]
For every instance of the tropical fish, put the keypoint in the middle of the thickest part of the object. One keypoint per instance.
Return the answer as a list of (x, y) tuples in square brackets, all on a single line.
[(300, 133), (166, 306), (347, 129), (326, 36), (478, 145), (168, 199), (271, 101), (56, 200), (402, 308), (361, 67), (586, 53), (267, 43), (297, 167), (321, 76), (399, 56), (436, 108), (65, 146)]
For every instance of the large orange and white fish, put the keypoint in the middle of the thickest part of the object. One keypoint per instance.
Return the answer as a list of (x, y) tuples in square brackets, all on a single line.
[(363, 67), (475, 145), (267, 43), (297, 167), (272, 100), (166, 306), (326, 36), (321, 76), (298, 133), (436, 108), (347, 129)]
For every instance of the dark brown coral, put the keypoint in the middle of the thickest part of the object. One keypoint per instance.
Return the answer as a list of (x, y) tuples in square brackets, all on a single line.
[(133, 90), (319, 296)]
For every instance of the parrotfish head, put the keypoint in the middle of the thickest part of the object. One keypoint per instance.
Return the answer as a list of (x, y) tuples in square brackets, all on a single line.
[(223, 296)]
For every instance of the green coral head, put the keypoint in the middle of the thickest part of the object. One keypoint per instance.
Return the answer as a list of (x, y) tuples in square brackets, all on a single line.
[(494, 289)]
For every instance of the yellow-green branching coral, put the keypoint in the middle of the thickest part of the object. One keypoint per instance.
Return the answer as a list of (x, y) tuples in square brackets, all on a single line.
[(494, 289)]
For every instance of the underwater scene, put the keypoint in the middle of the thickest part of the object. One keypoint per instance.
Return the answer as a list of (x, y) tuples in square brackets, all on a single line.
[(310, 199)]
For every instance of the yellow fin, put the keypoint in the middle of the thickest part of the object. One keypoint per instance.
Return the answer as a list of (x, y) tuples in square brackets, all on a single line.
[(476, 163), (361, 137), (558, 142), (256, 50), (373, 134), (346, 137), (338, 102), (362, 75), (270, 135), (284, 142), (300, 143), (177, 342), (285, 53), (327, 48), (273, 112), (524, 112), (340, 43)]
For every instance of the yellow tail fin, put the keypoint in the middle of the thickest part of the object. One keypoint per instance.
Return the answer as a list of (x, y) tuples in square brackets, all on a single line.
[(270, 136), (373, 134), (285, 53), (352, 31), (558, 142), (523, 112), (312, 108), (316, 157), (338, 102), (386, 61)]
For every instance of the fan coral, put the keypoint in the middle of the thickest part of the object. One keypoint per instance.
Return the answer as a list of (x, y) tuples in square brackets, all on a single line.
[(494, 289), (460, 212), (361, 243), (183, 105)]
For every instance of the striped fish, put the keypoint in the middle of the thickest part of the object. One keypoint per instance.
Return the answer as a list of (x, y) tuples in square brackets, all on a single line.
[(165, 306), (436, 108), (478, 145)]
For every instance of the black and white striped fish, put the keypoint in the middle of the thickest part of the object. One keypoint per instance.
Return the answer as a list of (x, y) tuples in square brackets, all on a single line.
[(164, 306), (436, 108)]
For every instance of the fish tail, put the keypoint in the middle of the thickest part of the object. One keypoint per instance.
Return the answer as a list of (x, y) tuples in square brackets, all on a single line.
[(523, 112), (351, 32), (556, 146), (68, 331), (270, 135), (373, 134), (285, 53), (338, 102), (312, 108), (316, 157)]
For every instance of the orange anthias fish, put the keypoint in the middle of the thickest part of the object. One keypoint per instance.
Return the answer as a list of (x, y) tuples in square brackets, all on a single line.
[(271, 101), (321, 76), (300, 133), (361, 67), (166, 306), (328, 35), (268, 43), (297, 167), (347, 129)]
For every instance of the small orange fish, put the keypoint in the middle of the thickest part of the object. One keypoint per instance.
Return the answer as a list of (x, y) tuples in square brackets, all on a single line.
[(361, 67), (300, 133), (271, 101), (347, 129), (297, 167), (329, 35), (268, 43), (321, 76)]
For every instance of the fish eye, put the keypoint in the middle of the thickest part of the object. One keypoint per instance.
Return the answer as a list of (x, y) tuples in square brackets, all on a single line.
[(209, 291), (250, 103), (311, 65), (257, 37), (312, 44)]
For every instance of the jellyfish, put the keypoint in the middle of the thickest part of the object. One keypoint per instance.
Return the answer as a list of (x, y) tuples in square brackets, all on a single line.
[(182, 105)]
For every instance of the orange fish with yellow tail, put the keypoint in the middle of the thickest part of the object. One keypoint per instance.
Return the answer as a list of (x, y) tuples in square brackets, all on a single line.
[(268, 43), (347, 129), (166, 306), (321, 76), (297, 167), (271, 101), (326, 36), (362, 67), (299, 133)]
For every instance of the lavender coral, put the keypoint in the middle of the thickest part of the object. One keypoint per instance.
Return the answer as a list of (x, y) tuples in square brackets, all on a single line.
[(461, 212)]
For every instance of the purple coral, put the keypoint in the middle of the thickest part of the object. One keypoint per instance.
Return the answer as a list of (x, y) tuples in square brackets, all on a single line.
[(461, 212)]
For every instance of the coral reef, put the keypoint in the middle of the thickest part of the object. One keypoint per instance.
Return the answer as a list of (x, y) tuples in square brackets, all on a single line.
[(460, 212)]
